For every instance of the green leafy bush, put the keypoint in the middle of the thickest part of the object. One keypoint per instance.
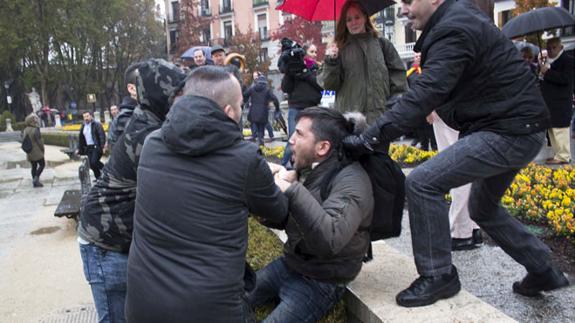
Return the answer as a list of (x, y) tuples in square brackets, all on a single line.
[(57, 138)]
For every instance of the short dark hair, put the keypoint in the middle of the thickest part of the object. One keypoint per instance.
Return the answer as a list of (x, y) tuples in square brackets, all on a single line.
[(212, 82), (131, 73), (327, 124)]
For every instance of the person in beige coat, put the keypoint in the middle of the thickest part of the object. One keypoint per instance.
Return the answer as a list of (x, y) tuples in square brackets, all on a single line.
[(36, 155)]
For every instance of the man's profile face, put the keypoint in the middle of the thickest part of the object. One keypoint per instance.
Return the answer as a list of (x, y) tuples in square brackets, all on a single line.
[(418, 11), (199, 57), (218, 57), (114, 111), (87, 117), (303, 144)]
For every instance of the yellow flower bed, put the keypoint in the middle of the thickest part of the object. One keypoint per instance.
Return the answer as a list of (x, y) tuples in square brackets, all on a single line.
[(247, 132), (546, 196), (273, 152), (77, 126), (408, 155)]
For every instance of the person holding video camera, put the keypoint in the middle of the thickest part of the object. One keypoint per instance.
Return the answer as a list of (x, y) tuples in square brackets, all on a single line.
[(364, 70), (299, 82)]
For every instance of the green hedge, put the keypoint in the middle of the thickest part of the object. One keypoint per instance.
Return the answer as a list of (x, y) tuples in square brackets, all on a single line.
[(57, 138)]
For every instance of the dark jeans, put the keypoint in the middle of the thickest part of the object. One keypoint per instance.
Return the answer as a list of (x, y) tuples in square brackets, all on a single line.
[(490, 162), (106, 272), (260, 132), (301, 299), (94, 154), (37, 167)]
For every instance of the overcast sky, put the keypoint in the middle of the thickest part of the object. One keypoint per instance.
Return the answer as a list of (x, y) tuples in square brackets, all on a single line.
[(161, 3)]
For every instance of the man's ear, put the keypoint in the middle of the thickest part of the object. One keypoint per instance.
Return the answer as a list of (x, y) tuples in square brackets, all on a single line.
[(132, 90), (229, 111), (322, 148)]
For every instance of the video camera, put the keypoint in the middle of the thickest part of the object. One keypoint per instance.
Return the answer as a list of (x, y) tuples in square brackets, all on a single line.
[(291, 59)]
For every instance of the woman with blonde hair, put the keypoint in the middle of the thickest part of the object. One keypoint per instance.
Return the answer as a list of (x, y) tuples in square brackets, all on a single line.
[(363, 69)]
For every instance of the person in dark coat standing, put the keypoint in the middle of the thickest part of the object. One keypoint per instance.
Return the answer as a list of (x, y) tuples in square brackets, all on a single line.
[(260, 95), (198, 181), (484, 90), (106, 217), (557, 87), (91, 142), (36, 155)]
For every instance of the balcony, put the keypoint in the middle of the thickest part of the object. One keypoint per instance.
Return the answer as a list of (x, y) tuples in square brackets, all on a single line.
[(257, 3), (405, 51)]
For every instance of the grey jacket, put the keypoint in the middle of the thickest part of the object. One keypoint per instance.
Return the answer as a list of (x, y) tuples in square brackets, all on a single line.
[(365, 74), (32, 130), (328, 239)]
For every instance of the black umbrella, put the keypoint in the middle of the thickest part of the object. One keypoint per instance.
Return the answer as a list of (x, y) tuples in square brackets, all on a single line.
[(537, 21)]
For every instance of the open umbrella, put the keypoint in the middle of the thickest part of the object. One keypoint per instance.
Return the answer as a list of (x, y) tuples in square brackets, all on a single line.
[(537, 21), (320, 10)]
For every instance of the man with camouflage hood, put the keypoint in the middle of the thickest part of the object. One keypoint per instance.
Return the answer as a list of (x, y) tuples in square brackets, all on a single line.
[(106, 217)]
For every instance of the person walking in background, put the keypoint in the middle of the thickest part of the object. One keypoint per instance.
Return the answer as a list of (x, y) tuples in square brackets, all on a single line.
[(556, 74), (36, 155), (363, 69), (260, 96), (303, 91), (467, 67), (113, 113), (91, 142)]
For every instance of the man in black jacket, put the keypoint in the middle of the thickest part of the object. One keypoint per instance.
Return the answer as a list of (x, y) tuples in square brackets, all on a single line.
[(485, 91), (91, 142), (328, 232), (197, 182)]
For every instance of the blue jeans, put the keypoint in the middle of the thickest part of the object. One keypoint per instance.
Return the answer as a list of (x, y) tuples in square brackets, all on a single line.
[(292, 114), (106, 271), (490, 162), (301, 299)]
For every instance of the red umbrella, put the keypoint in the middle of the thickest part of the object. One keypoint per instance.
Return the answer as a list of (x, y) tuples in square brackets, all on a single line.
[(318, 10)]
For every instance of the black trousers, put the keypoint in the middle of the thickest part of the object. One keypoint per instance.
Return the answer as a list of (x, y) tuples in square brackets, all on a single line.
[(94, 154), (38, 167)]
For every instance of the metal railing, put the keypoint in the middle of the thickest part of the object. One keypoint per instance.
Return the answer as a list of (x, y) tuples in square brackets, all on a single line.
[(260, 2), (405, 51)]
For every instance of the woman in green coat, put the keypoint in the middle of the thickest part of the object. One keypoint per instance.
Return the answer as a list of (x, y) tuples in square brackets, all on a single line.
[(362, 68), (36, 155)]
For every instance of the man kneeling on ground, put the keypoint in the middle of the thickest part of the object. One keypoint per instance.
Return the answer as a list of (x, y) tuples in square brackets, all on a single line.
[(327, 237)]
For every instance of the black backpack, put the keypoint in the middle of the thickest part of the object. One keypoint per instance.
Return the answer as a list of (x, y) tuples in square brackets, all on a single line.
[(27, 144), (388, 184)]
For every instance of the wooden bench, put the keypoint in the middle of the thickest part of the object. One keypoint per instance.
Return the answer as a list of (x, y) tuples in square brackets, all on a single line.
[(71, 201)]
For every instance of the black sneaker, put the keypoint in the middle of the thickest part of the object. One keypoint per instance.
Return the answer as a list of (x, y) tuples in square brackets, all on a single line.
[(428, 290), (533, 283)]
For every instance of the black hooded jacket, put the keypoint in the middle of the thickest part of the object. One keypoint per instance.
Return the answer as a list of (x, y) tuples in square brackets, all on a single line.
[(260, 96), (106, 217), (197, 183), (474, 73)]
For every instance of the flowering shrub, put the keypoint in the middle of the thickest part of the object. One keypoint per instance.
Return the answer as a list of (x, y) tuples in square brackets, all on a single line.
[(277, 152), (408, 155), (546, 196), (77, 126)]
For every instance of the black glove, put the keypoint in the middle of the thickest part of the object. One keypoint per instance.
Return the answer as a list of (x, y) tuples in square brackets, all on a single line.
[(356, 146)]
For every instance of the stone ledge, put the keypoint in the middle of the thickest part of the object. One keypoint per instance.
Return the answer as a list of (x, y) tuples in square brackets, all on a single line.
[(371, 296)]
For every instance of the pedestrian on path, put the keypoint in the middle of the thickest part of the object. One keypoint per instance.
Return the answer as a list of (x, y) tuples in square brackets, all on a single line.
[(260, 96), (91, 142), (36, 155), (468, 65)]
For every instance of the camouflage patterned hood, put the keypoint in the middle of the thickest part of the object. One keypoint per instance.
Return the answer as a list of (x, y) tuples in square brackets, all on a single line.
[(158, 84), (197, 126)]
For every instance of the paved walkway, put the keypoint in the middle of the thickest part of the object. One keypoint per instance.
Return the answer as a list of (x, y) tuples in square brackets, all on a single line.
[(41, 275)]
